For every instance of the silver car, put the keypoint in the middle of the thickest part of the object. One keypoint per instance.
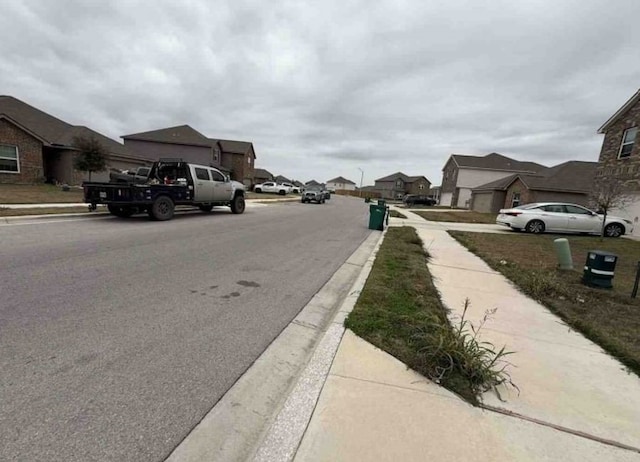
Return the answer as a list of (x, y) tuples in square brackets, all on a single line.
[(561, 217)]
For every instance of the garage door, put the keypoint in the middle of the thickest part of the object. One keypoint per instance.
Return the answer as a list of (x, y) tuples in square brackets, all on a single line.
[(445, 199), (481, 202)]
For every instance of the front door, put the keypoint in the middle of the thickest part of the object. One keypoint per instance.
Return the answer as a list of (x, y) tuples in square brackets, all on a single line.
[(203, 187), (221, 187)]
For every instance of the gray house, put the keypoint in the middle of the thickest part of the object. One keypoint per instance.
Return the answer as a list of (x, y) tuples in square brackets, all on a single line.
[(397, 185)]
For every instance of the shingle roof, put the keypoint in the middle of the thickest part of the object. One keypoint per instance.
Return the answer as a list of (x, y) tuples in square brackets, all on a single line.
[(181, 134), (51, 130), (282, 179), (262, 173), (238, 147), (402, 176), (340, 180), (495, 161), (571, 176), (312, 183)]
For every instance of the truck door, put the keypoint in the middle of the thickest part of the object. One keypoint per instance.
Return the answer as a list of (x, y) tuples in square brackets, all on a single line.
[(221, 187), (203, 186)]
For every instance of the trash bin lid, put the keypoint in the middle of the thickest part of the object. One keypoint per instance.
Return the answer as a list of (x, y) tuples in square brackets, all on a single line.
[(602, 253)]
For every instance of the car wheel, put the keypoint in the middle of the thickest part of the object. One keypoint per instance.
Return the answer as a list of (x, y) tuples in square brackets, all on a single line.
[(535, 227), (206, 208), (614, 230), (282, 192), (162, 209), (238, 204), (258, 190)]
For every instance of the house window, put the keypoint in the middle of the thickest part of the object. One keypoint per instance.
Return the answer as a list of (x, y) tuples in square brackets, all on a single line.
[(9, 160), (399, 184), (421, 186), (628, 138), (515, 201), (249, 160)]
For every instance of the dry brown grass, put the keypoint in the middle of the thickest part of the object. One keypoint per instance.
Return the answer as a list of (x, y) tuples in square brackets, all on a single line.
[(458, 216), (608, 317), (37, 194)]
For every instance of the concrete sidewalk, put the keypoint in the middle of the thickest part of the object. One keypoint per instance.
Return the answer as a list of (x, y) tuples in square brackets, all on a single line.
[(576, 402)]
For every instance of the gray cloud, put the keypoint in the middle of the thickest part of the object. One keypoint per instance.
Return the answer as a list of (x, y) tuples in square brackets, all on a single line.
[(325, 88)]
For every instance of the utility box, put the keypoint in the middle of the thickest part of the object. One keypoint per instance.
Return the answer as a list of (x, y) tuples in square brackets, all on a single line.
[(599, 269)]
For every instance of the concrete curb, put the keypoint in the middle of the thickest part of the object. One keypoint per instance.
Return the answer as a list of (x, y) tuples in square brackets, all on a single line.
[(287, 431)]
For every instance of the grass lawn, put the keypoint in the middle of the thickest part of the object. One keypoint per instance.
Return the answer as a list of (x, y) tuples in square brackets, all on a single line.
[(458, 216), (399, 311), (396, 214), (610, 318), (5, 212), (37, 194)]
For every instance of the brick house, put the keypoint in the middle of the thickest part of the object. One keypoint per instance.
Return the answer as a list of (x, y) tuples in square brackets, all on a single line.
[(236, 158), (568, 182), (36, 147), (462, 173), (397, 185), (620, 155)]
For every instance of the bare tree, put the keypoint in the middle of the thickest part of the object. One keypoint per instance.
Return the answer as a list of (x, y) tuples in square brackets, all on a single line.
[(608, 194), (92, 155)]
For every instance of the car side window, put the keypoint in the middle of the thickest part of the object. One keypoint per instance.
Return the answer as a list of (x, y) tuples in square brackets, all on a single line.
[(216, 176), (554, 208), (202, 174), (577, 210)]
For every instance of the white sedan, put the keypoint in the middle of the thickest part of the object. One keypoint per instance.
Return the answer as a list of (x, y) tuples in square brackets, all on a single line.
[(560, 217)]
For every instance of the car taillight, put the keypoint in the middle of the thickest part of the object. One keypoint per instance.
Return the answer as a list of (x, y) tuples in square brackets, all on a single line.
[(513, 214)]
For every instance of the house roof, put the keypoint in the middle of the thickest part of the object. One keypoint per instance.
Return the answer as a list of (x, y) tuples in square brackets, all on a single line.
[(573, 176), (236, 147), (51, 130), (620, 112), (298, 183), (181, 134), (282, 179), (401, 176), (262, 173), (495, 161), (340, 180), (312, 183)]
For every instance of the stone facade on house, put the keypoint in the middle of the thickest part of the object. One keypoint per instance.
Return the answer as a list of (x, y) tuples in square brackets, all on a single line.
[(30, 159), (626, 169), (518, 194)]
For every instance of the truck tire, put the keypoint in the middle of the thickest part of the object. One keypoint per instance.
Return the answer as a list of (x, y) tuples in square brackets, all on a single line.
[(282, 192), (120, 211), (162, 209), (206, 208), (237, 204), (258, 190)]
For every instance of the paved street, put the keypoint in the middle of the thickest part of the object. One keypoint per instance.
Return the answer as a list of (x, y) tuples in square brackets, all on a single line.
[(117, 336)]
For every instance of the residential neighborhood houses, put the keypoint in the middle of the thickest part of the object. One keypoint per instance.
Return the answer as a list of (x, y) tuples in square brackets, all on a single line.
[(37, 147)]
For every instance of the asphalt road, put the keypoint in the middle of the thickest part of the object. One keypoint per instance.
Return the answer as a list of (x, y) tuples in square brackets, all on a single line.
[(118, 336)]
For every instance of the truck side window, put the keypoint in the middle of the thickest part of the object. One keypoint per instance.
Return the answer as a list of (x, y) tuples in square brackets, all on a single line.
[(202, 174), (216, 176)]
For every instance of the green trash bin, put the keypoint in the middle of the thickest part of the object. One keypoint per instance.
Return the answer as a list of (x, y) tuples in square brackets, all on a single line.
[(376, 217)]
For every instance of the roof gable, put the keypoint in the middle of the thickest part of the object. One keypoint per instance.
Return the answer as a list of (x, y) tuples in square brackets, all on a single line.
[(340, 180), (620, 112), (181, 134), (262, 173), (496, 161)]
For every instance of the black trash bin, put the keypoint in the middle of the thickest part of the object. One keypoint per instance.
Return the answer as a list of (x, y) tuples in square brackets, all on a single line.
[(599, 269)]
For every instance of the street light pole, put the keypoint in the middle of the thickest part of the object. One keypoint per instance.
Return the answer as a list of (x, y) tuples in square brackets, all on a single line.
[(361, 178)]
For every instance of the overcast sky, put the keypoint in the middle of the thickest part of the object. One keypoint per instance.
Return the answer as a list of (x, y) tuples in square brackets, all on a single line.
[(327, 87)]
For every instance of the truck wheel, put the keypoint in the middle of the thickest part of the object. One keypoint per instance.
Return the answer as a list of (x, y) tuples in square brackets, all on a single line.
[(206, 208), (237, 204), (282, 192), (162, 209), (258, 190), (120, 211)]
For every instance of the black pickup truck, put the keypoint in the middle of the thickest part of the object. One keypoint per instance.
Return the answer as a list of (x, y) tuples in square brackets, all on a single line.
[(170, 182)]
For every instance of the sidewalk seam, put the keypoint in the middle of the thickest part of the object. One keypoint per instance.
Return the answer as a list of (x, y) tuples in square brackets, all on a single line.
[(560, 428)]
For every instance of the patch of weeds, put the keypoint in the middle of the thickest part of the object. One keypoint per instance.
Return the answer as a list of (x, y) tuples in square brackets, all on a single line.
[(400, 311), (395, 214)]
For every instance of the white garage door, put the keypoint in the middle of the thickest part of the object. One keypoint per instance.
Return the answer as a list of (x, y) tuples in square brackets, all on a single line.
[(445, 199)]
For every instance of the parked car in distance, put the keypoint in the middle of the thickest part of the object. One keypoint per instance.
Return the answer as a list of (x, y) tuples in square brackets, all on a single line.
[(313, 195), (271, 187), (292, 188), (418, 199), (561, 217)]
